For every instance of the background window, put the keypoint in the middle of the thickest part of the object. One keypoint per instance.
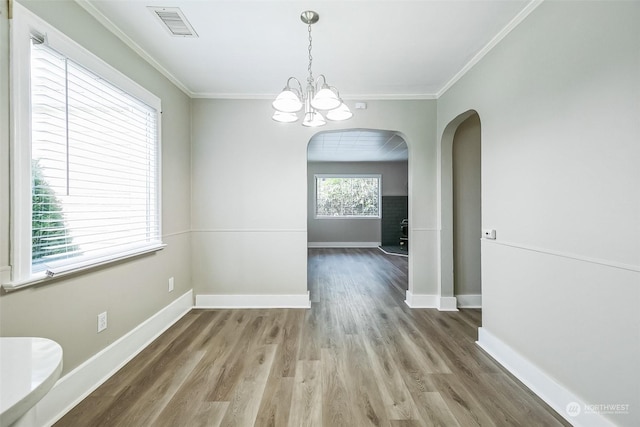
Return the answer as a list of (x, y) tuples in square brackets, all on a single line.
[(348, 196)]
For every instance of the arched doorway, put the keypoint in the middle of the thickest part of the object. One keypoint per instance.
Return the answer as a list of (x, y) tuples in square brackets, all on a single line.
[(467, 213), (447, 300), (355, 154)]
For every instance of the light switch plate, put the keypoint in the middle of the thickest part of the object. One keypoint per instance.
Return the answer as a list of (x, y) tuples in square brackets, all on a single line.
[(489, 233)]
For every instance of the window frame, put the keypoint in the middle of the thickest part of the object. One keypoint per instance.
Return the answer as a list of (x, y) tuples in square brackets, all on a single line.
[(25, 25), (343, 175)]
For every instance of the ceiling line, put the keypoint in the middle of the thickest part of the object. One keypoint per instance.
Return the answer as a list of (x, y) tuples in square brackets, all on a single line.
[(348, 97), (114, 29), (533, 4)]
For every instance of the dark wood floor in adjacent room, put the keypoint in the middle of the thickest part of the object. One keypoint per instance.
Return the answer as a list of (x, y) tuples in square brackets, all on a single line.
[(358, 357)]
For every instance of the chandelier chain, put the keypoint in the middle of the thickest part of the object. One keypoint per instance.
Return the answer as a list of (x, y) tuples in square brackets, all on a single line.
[(310, 79), (319, 98)]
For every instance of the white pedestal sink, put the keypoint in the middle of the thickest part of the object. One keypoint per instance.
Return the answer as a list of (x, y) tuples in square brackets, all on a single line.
[(29, 368)]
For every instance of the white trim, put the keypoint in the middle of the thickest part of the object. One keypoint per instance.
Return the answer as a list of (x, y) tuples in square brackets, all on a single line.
[(65, 45), (5, 274), (489, 46), (352, 97), (177, 233), (253, 301), (79, 383), (24, 25), (577, 257), (54, 273), (113, 28), (447, 304), (469, 301), (391, 96), (421, 300), (393, 253), (20, 144), (343, 244), (249, 230), (553, 393)]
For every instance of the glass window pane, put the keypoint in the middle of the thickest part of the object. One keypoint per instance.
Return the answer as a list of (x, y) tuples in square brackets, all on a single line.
[(341, 196), (94, 165)]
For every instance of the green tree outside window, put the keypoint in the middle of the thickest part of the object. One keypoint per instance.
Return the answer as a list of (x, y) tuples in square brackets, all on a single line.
[(50, 236)]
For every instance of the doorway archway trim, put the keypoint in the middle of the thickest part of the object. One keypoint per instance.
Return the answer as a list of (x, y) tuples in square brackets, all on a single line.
[(446, 300)]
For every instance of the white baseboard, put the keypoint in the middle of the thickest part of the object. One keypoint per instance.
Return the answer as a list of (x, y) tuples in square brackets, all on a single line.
[(393, 253), (431, 301), (469, 301), (343, 244), (554, 394), (79, 383), (253, 301), (447, 304), (421, 300)]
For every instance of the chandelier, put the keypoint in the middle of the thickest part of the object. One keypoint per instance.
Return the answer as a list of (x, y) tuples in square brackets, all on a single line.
[(318, 97)]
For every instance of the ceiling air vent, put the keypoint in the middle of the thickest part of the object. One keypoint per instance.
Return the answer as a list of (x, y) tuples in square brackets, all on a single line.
[(174, 21)]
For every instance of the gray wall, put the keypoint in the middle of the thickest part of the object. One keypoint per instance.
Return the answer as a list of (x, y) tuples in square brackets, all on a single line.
[(394, 183), (467, 208), (559, 101), (131, 291), (250, 232)]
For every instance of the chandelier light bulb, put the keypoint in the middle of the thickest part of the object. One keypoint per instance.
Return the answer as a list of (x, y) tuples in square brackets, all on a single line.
[(317, 97), (325, 99), (281, 117), (287, 102), (340, 113), (313, 119)]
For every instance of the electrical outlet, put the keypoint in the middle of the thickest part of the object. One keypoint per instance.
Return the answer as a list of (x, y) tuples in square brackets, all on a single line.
[(102, 321), (170, 284)]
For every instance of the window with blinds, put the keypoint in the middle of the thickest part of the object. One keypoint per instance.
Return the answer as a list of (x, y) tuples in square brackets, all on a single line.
[(94, 167)]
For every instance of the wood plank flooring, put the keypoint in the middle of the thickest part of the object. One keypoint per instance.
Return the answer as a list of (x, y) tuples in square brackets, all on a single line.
[(358, 357)]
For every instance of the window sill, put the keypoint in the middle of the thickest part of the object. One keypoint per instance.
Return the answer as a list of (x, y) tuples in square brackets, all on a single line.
[(54, 274)]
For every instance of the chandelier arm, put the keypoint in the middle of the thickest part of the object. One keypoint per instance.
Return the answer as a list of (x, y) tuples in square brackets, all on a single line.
[(301, 93), (317, 81), (317, 92), (335, 89)]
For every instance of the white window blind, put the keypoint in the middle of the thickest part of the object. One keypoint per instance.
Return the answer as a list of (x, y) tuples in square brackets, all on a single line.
[(94, 161), (348, 196)]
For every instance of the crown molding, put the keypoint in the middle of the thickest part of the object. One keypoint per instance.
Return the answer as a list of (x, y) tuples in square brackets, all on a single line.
[(109, 25), (93, 11), (533, 4), (354, 97), (392, 97), (240, 96)]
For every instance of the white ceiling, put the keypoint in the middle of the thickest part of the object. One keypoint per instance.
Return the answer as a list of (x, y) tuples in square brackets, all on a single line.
[(368, 49), (390, 49), (357, 145)]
